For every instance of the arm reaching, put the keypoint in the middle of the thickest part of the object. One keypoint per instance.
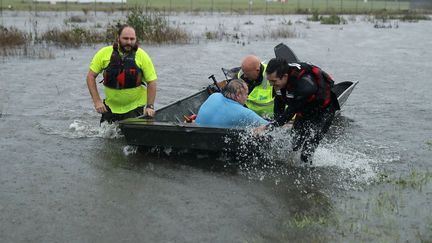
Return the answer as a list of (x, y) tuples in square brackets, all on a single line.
[(91, 84)]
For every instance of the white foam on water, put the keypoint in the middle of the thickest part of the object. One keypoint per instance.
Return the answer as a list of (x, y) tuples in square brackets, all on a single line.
[(168, 151), (357, 165), (344, 156), (130, 150), (82, 129)]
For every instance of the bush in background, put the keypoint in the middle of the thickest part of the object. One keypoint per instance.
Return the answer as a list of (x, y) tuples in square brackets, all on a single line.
[(150, 28), (11, 36), (74, 37)]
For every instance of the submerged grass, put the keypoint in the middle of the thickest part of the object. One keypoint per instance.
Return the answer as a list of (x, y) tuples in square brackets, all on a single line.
[(332, 19), (304, 221), (283, 32), (73, 37), (150, 27), (75, 19), (12, 37), (413, 17), (381, 216), (14, 42), (405, 16), (154, 27), (414, 180)]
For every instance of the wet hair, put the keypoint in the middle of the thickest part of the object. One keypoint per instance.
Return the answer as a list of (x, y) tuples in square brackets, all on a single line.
[(122, 27), (233, 88), (279, 65)]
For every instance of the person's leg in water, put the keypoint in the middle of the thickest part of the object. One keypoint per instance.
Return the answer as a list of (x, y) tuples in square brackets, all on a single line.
[(318, 128), (301, 131)]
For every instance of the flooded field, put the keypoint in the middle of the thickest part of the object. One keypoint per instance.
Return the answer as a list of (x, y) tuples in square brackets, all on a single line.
[(64, 178)]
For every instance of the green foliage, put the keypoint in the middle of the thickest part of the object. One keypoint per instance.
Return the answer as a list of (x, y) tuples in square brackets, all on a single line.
[(414, 180), (332, 19), (407, 17), (283, 32), (414, 17), (152, 27), (75, 19), (315, 17), (430, 144), (211, 35), (74, 37), (304, 221)]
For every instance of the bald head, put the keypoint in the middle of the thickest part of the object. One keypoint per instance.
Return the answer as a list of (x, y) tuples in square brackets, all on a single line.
[(251, 67)]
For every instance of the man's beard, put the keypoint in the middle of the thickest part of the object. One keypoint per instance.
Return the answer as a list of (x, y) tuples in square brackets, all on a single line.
[(126, 48)]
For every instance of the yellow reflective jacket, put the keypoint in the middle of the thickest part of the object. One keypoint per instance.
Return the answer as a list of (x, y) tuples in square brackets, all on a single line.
[(260, 99)]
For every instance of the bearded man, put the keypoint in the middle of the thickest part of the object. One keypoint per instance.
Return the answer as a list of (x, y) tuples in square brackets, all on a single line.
[(129, 79)]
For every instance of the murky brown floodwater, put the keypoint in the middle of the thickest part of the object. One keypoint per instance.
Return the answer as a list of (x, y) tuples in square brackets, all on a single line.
[(63, 178)]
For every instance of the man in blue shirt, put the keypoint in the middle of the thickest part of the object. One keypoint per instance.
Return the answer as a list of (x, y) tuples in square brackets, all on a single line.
[(226, 109)]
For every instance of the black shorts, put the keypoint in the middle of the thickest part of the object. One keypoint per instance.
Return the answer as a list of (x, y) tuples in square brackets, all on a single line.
[(112, 117)]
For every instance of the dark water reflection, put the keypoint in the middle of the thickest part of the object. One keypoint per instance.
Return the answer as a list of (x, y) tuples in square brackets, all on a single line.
[(63, 178)]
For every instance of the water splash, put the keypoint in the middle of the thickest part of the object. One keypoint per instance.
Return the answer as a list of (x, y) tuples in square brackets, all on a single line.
[(353, 165), (168, 151), (82, 129), (130, 150), (341, 158)]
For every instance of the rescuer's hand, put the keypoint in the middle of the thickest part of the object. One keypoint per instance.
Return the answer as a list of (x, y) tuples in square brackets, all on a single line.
[(149, 112), (259, 130), (100, 107)]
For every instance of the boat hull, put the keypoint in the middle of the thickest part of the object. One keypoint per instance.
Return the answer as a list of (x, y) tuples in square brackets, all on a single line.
[(168, 129)]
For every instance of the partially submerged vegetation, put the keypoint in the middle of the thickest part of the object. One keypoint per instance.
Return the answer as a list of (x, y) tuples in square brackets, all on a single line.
[(410, 17), (153, 27), (14, 42), (12, 37), (73, 37), (406, 16), (414, 180), (282, 32), (150, 28), (331, 19)]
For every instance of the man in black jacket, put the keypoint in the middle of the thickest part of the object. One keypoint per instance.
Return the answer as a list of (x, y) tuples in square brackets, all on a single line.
[(306, 89)]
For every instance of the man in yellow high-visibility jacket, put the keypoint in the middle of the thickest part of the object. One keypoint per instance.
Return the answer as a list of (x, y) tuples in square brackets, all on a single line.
[(260, 98), (129, 79)]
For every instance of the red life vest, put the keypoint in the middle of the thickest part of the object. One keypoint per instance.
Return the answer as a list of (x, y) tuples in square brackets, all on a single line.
[(122, 73), (323, 81)]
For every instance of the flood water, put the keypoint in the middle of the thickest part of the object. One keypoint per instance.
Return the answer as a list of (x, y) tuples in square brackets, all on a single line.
[(65, 179)]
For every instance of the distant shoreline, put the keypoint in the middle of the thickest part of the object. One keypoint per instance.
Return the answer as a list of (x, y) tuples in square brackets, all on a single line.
[(225, 6)]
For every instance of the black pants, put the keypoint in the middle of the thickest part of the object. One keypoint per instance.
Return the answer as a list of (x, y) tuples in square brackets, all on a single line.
[(309, 129), (112, 117)]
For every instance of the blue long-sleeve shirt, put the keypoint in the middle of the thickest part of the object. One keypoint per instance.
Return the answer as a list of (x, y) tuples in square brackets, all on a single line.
[(219, 111)]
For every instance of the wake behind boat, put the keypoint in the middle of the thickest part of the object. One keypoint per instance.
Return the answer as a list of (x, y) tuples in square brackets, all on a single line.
[(170, 129)]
